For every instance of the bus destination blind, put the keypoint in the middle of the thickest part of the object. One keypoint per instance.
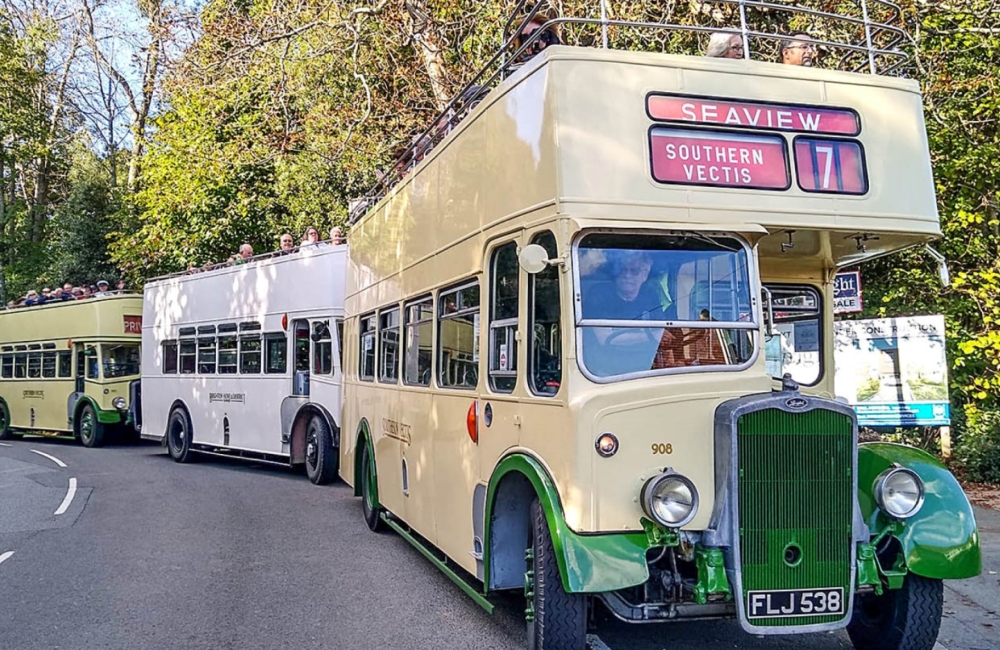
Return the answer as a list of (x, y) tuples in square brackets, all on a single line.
[(830, 166), (752, 115), (718, 159)]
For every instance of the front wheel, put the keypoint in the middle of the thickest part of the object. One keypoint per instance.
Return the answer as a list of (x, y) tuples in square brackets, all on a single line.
[(5, 432), (903, 619), (321, 456), (89, 428), (556, 620), (179, 436), (369, 491)]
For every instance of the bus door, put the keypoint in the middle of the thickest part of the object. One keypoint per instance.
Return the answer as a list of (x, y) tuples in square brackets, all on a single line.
[(300, 357), (323, 389)]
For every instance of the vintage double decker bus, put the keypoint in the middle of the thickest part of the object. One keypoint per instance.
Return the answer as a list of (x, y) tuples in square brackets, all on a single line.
[(244, 360), (70, 367), (589, 344)]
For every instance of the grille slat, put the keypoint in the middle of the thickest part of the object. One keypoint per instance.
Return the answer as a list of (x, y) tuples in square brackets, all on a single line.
[(795, 487)]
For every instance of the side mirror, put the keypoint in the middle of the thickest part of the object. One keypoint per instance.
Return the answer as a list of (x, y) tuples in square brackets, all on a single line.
[(768, 310), (533, 259), (942, 266)]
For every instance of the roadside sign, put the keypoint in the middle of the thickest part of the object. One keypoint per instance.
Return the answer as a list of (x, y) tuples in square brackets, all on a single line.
[(847, 292)]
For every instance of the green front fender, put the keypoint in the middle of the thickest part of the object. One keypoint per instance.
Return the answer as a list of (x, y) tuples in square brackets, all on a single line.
[(941, 541), (103, 416), (587, 563)]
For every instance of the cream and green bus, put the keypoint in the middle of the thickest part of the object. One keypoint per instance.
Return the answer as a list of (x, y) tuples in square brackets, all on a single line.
[(70, 367), (589, 342)]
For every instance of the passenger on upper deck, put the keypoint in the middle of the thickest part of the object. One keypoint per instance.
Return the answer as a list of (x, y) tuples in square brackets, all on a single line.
[(797, 50), (337, 237), (246, 252), (725, 46), (102, 289), (312, 238), (287, 244), (549, 37)]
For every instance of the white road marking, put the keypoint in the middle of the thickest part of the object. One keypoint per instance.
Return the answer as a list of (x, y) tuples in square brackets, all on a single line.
[(594, 643), (52, 458), (938, 646), (5, 556), (68, 499), (4, 444)]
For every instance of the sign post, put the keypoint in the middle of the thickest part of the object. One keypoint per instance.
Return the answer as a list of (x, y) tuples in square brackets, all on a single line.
[(847, 293)]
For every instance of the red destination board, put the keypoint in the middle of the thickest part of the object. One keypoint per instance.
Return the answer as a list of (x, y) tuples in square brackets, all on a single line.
[(133, 324), (830, 166), (752, 115), (718, 159)]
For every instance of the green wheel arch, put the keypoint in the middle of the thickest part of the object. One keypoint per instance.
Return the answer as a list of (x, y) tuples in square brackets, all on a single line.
[(587, 563), (942, 540), (103, 416), (363, 437)]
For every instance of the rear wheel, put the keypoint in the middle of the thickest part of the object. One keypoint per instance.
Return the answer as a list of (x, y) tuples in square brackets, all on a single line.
[(902, 619), (321, 456), (369, 491), (5, 432), (556, 620), (179, 436), (89, 428)]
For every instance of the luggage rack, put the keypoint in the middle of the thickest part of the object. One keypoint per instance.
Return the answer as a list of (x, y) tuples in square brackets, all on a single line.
[(876, 46)]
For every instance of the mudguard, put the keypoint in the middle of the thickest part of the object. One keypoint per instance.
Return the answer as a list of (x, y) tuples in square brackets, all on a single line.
[(587, 563), (942, 540)]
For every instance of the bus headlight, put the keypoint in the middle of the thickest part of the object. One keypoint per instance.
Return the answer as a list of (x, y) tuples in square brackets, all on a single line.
[(118, 402), (670, 499), (899, 492)]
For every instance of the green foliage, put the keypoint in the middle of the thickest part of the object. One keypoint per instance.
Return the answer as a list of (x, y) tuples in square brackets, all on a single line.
[(978, 449)]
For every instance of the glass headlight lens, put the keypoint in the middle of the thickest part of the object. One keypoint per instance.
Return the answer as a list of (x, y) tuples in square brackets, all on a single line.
[(118, 402), (899, 492), (670, 499)]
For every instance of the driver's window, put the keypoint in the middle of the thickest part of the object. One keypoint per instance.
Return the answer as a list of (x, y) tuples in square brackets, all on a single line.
[(503, 318), (796, 345), (544, 308), (322, 348), (93, 364)]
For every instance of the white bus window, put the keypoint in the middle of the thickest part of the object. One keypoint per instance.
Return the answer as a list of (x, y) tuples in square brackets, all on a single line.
[(120, 360), (503, 319), (300, 334), (49, 365), (7, 363), (796, 346), (206, 355), (418, 342), (187, 355), (227, 355), (250, 355), (169, 354), (340, 342), (276, 351), (388, 350), (65, 364), (366, 369), (545, 351), (458, 337), (322, 348), (646, 299), (20, 365), (34, 365)]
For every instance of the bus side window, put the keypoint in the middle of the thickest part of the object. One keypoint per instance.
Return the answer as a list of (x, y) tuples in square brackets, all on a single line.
[(169, 357), (65, 364), (340, 342), (206, 355), (544, 308), (49, 365), (187, 357), (227, 355), (503, 318), (8, 366), (250, 355), (322, 348), (458, 337), (388, 349), (418, 342), (366, 368), (20, 365), (276, 350), (34, 365)]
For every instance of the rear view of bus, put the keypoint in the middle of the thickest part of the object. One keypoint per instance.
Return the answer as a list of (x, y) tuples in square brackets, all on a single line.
[(612, 388)]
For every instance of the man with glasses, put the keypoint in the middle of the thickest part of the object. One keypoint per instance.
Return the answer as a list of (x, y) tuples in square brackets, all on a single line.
[(287, 244), (725, 46), (798, 50)]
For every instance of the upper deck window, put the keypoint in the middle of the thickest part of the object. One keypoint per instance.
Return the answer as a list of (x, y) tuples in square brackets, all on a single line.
[(649, 303)]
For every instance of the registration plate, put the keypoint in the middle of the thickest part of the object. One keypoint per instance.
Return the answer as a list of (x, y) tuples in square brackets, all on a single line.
[(786, 603)]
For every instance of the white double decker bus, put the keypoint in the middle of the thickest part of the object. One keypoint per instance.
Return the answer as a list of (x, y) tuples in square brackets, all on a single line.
[(244, 360)]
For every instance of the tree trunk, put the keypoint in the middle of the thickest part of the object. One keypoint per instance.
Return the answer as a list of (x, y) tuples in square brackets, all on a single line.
[(428, 42)]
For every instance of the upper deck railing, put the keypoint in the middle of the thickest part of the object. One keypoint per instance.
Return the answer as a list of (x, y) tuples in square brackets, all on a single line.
[(857, 35), (233, 263)]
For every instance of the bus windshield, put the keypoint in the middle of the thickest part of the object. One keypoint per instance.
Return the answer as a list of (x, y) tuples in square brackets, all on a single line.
[(654, 302), (120, 360)]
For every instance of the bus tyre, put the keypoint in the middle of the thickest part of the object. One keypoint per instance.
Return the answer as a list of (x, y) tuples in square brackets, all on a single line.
[(179, 436), (559, 620), (321, 456), (89, 428), (369, 491), (5, 432), (902, 619)]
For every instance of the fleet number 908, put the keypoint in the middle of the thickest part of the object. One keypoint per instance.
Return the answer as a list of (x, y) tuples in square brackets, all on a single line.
[(662, 448)]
